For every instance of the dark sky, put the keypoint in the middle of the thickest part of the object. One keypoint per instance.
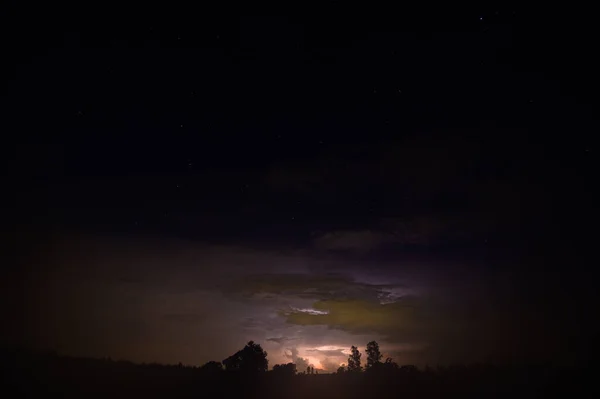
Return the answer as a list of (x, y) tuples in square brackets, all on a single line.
[(180, 183)]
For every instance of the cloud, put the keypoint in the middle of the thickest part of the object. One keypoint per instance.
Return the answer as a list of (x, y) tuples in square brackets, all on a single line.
[(398, 321), (300, 362), (259, 324), (240, 294), (329, 352), (280, 340), (330, 366), (324, 359), (310, 286), (420, 230), (389, 295), (313, 312)]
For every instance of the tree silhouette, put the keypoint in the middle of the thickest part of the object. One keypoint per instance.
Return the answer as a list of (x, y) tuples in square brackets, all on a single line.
[(373, 354), (233, 362), (388, 367), (284, 370), (212, 367), (251, 359), (390, 363), (409, 369), (354, 360), (341, 369)]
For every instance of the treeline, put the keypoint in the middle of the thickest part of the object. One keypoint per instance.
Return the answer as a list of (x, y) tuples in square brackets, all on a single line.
[(246, 374), (253, 359)]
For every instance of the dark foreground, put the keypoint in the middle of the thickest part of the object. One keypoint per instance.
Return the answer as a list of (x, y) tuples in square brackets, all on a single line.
[(28, 375)]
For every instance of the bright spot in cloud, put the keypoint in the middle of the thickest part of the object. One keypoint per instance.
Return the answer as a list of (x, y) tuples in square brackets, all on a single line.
[(313, 312), (328, 348)]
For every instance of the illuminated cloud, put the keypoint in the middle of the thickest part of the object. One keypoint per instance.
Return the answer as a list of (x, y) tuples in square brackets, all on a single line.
[(300, 362), (400, 320), (337, 352), (330, 366), (140, 294), (313, 312)]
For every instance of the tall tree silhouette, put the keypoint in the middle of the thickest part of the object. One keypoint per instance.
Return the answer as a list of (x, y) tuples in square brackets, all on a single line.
[(251, 359), (373, 354), (354, 360)]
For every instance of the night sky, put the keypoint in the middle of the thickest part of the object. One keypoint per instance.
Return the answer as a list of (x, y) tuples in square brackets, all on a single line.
[(176, 185)]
